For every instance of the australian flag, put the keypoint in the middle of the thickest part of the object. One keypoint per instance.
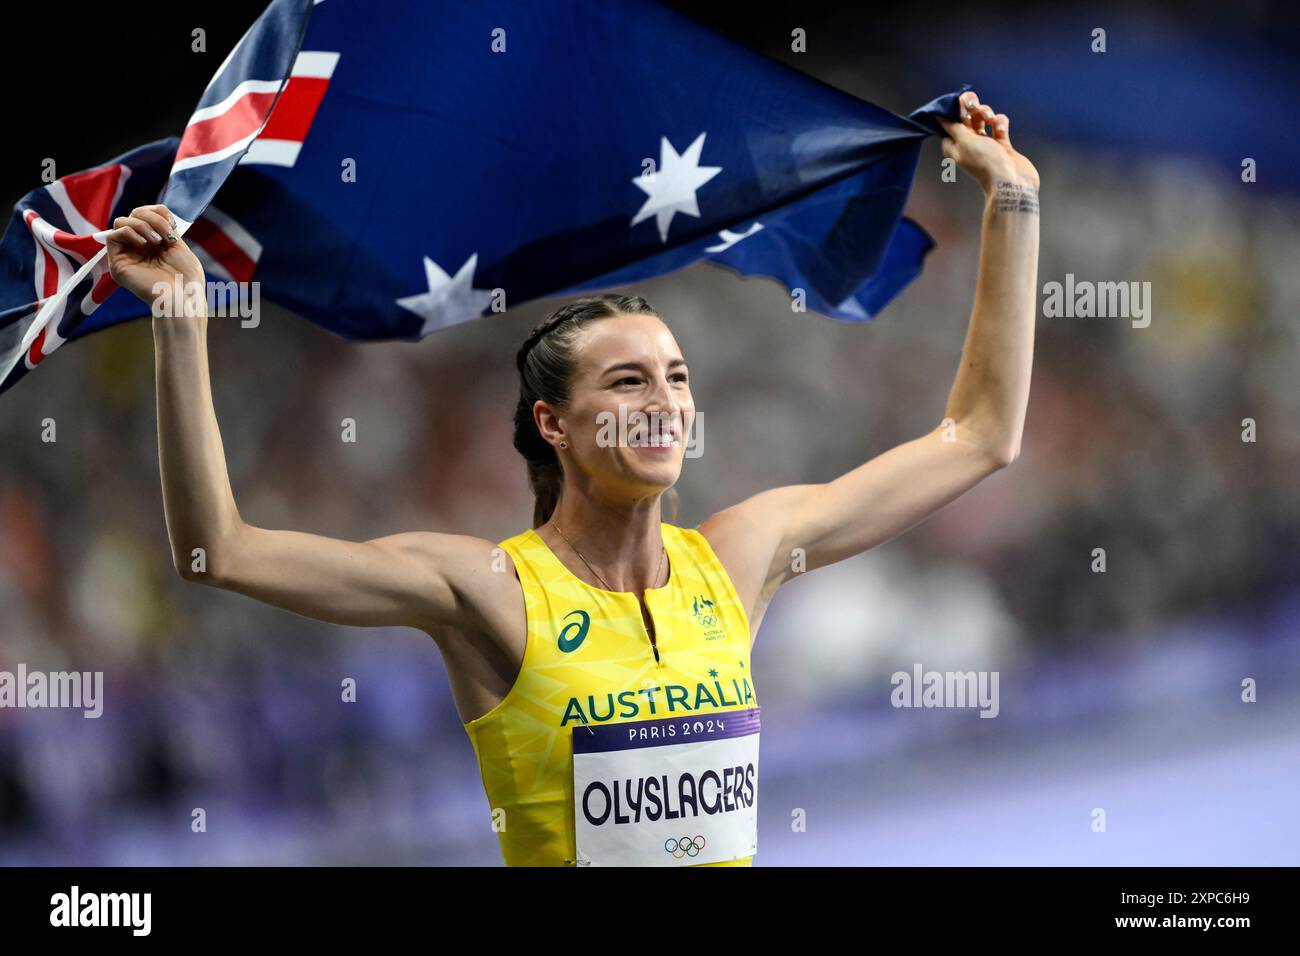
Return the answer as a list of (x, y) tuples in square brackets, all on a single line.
[(387, 174)]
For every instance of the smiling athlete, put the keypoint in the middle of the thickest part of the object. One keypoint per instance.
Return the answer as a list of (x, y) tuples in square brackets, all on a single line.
[(600, 660)]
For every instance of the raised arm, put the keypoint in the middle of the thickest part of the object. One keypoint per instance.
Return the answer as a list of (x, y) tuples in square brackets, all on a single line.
[(770, 537), (419, 579)]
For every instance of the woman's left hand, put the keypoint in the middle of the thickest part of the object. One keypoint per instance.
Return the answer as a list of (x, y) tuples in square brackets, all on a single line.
[(990, 158)]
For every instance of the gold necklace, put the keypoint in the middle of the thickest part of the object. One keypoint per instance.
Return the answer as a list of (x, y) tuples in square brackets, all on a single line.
[(663, 553)]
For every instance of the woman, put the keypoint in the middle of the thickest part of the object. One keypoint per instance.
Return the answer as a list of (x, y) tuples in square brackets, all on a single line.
[(604, 654)]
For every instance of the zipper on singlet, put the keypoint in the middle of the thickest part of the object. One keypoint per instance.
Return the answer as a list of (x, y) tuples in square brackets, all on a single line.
[(654, 645)]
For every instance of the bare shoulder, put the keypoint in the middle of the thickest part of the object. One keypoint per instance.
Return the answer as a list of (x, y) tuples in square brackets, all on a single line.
[(483, 638), (480, 589), (748, 539), (462, 556)]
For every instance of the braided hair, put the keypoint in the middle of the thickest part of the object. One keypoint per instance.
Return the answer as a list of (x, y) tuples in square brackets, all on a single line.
[(546, 364)]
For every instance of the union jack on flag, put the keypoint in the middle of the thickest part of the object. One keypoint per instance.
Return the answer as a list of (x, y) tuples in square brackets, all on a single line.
[(53, 252), (388, 176)]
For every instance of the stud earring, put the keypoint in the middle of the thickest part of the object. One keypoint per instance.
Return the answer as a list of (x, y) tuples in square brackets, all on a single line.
[(564, 444)]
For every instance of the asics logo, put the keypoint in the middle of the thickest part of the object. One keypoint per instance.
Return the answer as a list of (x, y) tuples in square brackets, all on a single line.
[(569, 642)]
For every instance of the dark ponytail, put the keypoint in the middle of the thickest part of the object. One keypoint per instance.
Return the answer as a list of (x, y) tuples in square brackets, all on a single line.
[(545, 362)]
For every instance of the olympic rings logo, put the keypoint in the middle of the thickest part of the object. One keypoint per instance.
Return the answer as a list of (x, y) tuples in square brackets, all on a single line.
[(684, 847)]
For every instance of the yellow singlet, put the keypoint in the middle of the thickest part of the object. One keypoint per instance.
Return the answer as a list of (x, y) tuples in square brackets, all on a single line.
[(588, 659)]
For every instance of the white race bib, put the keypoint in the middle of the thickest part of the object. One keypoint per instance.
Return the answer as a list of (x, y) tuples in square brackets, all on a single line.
[(677, 791)]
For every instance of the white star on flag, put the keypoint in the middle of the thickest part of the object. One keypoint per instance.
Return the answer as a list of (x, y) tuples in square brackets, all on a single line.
[(672, 187), (450, 299)]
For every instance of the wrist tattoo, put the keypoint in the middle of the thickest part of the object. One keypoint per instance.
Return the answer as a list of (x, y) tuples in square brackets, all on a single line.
[(1015, 197)]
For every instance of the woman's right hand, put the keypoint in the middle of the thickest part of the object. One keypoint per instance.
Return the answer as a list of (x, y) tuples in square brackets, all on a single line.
[(989, 158), (144, 250)]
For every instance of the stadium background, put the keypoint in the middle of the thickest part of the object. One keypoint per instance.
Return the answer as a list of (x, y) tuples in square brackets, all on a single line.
[(1119, 691)]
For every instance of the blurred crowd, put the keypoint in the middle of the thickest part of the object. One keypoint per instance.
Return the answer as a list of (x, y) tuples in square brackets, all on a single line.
[(1134, 445)]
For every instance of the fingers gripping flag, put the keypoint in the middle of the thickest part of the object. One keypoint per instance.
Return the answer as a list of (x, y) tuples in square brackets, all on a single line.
[(388, 176)]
